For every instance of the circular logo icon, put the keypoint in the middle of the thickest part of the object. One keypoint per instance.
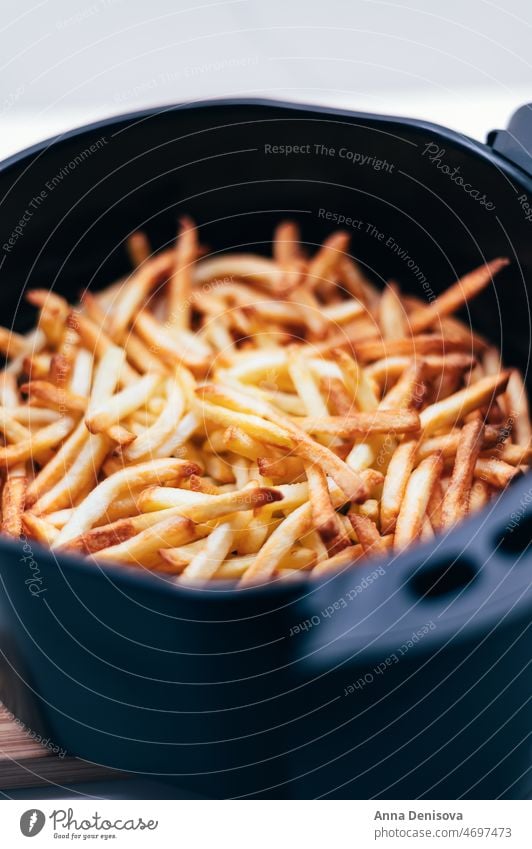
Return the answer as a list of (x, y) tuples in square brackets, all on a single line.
[(32, 822)]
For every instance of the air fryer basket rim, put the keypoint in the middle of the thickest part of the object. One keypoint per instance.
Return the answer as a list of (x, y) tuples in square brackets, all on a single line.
[(461, 140), (407, 562)]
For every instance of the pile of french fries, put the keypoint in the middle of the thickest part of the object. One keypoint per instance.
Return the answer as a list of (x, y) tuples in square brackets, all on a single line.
[(236, 417)]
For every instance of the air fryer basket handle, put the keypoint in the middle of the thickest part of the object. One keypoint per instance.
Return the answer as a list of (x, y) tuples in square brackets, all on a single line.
[(515, 143)]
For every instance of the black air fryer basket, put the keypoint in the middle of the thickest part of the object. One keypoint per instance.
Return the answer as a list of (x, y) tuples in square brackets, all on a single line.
[(401, 680)]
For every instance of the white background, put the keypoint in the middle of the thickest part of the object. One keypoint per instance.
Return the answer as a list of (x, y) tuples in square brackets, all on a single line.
[(463, 63)]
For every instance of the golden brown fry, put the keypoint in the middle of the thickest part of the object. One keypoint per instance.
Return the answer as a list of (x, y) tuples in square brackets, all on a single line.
[(434, 507), (54, 396), (344, 559), (368, 535), (12, 344), (39, 529), (447, 413), (13, 498), (324, 516), (138, 247), (324, 264), (456, 295), (389, 369), (495, 472), (180, 283), (360, 424), (456, 501)]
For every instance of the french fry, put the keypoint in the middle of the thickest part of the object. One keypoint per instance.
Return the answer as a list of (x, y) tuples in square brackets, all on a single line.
[(399, 470), (138, 248), (344, 559), (37, 443), (202, 507), (207, 562), (97, 501), (361, 424), (414, 505), (392, 315), (495, 472), (456, 501), (162, 429), (54, 397), (449, 411), (39, 529), (278, 544), (456, 295), (143, 549), (325, 519), (108, 414), (518, 409), (136, 290), (181, 283), (368, 535)]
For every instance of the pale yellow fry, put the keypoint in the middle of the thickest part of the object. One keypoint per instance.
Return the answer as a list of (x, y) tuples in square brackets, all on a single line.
[(162, 428), (395, 481), (415, 501), (96, 503), (11, 429), (136, 289), (306, 386), (32, 417), (47, 437), (392, 315), (280, 542), (248, 267), (81, 377), (253, 425), (103, 416), (185, 429), (204, 507), (82, 474), (168, 347), (207, 562), (357, 382), (518, 409), (143, 549)]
